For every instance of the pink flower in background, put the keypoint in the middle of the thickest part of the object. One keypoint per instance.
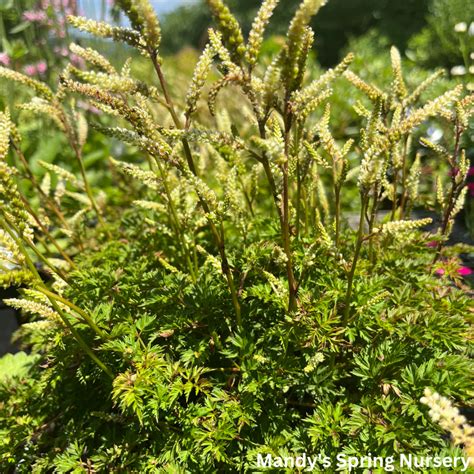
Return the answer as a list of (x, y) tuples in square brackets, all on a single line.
[(60, 27), (471, 171), (88, 108), (33, 69), (30, 70), (77, 60), (68, 5), (470, 187), (431, 243), (35, 15), (41, 67), (464, 271), (61, 51), (4, 59)]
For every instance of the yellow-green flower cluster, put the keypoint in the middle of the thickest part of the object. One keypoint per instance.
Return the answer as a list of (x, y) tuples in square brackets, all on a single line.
[(440, 194), (297, 35), (136, 116), (199, 78), (435, 147), (150, 206), (11, 206), (316, 156), (107, 81), (314, 362), (151, 25), (372, 92), (42, 89), (258, 28), (92, 56), (156, 147), (5, 131), (432, 108), (104, 30), (232, 197), (10, 255), (205, 193), (272, 146), (40, 106), (148, 178), (16, 278), (60, 172), (144, 20), (96, 28), (230, 28), (215, 38), (235, 78), (464, 165), (400, 227), (277, 285), (448, 417), (324, 238), (302, 99), (383, 295), (371, 169), (306, 10), (33, 307), (374, 144), (415, 95), (399, 87), (327, 140), (459, 203), (271, 84)]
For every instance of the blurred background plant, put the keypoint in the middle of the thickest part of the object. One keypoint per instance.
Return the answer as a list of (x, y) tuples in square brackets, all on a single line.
[(435, 34), (336, 24), (34, 35), (447, 39)]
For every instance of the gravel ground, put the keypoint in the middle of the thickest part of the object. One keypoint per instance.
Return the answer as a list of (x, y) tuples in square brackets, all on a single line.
[(8, 324)]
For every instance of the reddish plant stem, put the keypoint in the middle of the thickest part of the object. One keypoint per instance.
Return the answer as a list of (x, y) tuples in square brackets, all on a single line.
[(453, 192), (218, 234)]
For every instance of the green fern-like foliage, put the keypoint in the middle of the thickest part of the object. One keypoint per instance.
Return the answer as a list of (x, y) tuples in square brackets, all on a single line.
[(192, 395)]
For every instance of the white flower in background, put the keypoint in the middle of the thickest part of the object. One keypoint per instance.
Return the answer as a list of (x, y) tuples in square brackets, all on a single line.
[(7, 256), (470, 86), (471, 69), (471, 29), (472, 55), (6, 260), (435, 134), (458, 71), (460, 27)]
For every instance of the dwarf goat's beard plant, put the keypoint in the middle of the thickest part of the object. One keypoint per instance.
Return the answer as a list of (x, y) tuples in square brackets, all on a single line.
[(222, 307)]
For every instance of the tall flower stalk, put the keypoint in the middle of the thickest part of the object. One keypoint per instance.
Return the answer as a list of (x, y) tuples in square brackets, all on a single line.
[(289, 135)]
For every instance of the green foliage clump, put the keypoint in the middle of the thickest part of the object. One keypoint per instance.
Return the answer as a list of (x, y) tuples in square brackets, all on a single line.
[(193, 395), (441, 43), (220, 303)]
